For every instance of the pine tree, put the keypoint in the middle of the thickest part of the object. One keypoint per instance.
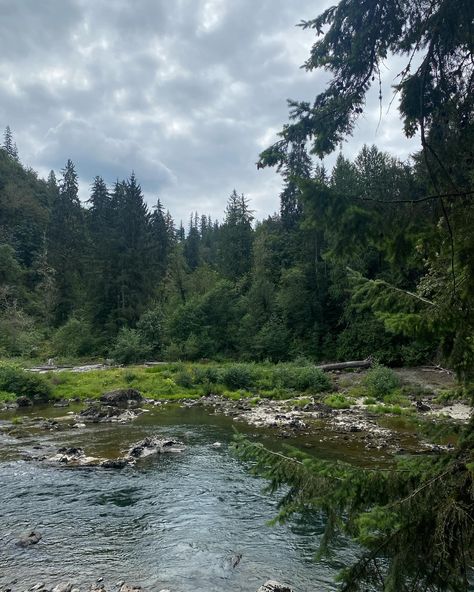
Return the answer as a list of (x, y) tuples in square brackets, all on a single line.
[(66, 243), (192, 243), (9, 145), (297, 166), (162, 238), (133, 284), (235, 237)]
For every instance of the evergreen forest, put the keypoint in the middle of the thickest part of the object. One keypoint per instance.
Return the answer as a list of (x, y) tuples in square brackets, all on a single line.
[(358, 262)]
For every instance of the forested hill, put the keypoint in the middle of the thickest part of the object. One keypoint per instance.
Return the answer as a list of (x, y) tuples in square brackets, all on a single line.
[(342, 272)]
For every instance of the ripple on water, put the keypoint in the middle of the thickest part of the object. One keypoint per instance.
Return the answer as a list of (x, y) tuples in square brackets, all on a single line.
[(177, 522)]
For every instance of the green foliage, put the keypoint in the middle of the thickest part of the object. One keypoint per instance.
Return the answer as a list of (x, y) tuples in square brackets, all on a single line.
[(74, 339), (238, 376), (303, 379), (380, 381), (13, 379), (184, 378), (337, 401), (129, 347), (150, 329), (413, 520)]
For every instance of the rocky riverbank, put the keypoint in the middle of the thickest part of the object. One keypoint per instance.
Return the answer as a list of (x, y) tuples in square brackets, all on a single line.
[(99, 586), (348, 417)]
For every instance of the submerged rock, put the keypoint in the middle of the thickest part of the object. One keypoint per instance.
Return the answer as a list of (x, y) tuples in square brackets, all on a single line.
[(273, 586), (32, 538)]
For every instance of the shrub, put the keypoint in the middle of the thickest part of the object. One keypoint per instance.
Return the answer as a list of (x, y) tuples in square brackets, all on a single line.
[(238, 376), (74, 338), (306, 378), (184, 378), (206, 374), (13, 379), (129, 377), (380, 381), (150, 329), (129, 347)]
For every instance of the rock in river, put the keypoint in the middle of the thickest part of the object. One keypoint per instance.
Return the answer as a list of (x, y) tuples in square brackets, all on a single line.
[(153, 445), (108, 413), (272, 586), (122, 397), (29, 539)]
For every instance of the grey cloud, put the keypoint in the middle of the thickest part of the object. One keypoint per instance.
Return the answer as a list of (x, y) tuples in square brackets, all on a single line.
[(186, 93)]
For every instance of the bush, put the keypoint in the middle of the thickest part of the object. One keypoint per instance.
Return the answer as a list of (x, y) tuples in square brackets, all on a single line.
[(306, 378), (150, 329), (238, 376), (74, 338), (184, 378), (13, 379), (206, 374), (129, 347), (380, 381)]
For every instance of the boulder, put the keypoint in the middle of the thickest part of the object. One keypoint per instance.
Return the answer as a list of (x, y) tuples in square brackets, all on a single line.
[(29, 539), (74, 456), (122, 397), (63, 587), (272, 586), (127, 588), (108, 414), (153, 445), (24, 401)]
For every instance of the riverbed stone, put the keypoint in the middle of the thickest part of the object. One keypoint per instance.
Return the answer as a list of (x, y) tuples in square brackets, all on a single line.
[(128, 588), (63, 587), (154, 445), (27, 540), (273, 586)]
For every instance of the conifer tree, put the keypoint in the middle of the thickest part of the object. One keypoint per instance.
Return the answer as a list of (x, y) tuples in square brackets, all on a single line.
[(133, 284), (66, 244), (192, 243), (9, 145), (235, 240)]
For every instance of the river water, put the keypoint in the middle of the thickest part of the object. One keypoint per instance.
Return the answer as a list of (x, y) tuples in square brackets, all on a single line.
[(178, 521)]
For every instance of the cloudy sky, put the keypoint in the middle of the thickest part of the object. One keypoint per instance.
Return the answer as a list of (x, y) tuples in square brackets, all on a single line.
[(184, 92)]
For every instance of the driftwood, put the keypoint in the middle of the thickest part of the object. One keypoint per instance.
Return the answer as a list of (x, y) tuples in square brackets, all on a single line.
[(344, 365)]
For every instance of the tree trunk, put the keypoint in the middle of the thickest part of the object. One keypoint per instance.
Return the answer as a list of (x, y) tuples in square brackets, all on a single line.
[(343, 365)]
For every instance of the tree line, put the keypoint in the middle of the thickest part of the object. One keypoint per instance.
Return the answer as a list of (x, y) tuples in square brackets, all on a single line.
[(114, 277)]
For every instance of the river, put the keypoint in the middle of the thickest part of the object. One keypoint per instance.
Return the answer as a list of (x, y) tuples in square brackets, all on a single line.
[(179, 521)]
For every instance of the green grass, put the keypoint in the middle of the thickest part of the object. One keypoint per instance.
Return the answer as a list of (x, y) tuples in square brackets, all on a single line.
[(390, 409), (337, 401), (6, 397), (179, 380)]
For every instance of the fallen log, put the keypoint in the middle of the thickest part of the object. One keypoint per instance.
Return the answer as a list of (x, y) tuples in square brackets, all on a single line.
[(344, 365)]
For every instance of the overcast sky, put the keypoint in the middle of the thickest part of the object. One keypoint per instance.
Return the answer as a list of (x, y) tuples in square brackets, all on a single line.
[(184, 92)]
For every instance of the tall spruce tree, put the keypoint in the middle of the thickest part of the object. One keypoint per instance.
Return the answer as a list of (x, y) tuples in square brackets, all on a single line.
[(133, 283), (66, 241), (235, 237)]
